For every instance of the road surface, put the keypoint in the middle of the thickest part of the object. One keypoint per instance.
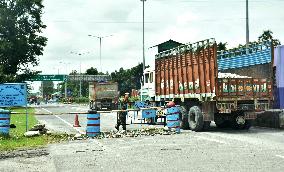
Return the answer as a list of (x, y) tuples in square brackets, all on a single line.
[(61, 118)]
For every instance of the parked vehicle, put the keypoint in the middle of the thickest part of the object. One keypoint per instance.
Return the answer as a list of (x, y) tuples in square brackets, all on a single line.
[(188, 75), (103, 95)]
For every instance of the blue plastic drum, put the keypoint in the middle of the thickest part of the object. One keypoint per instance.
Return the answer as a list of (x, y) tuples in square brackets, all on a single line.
[(173, 118), (93, 124), (4, 122)]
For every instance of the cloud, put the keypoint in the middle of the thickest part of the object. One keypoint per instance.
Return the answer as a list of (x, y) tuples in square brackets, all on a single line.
[(70, 21)]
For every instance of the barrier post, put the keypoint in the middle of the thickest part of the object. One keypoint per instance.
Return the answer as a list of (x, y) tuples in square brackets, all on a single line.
[(4, 122), (93, 123)]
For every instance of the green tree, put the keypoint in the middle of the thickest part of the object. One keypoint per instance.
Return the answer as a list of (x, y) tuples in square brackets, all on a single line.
[(128, 79), (92, 71), (222, 46), (47, 88), (20, 39), (267, 35)]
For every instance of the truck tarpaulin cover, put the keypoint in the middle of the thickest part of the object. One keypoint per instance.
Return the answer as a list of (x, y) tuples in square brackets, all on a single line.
[(187, 71), (103, 90)]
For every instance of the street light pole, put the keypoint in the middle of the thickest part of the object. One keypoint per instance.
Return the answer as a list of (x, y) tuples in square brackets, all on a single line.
[(80, 85), (100, 53), (100, 38), (80, 81), (247, 28), (65, 82), (143, 1)]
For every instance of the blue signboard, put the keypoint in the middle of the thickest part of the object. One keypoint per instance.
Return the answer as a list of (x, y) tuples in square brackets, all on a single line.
[(148, 113), (13, 95), (139, 104)]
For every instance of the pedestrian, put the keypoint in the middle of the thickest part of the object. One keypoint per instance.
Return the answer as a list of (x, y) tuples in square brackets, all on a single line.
[(121, 120)]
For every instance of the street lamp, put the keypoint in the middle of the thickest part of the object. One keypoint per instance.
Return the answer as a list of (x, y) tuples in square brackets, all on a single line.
[(80, 85), (100, 38), (65, 85), (247, 27), (143, 1)]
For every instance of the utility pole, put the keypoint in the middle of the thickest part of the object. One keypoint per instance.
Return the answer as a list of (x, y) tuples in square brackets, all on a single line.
[(143, 1), (247, 28), (80, 92), (101, 54), (80, 73), (100, 38)]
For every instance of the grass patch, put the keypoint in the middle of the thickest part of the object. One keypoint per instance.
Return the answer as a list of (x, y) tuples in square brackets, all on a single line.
[(16, 138)]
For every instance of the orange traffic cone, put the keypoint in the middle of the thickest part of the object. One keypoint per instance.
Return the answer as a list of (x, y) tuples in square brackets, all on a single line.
[(76, 121)]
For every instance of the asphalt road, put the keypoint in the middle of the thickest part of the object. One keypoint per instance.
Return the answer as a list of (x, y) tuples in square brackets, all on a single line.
[(61, 118), (258, 149)]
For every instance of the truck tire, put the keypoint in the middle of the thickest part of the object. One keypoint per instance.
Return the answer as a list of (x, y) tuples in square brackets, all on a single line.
[(91, 104), (195, 119), (183, 117), (247, 124)]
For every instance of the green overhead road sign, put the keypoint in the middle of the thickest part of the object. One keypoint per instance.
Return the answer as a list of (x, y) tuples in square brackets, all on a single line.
[(49, 78), (86, 78)]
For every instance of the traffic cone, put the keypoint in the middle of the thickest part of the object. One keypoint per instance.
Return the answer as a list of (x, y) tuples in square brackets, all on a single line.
[(76, 121)]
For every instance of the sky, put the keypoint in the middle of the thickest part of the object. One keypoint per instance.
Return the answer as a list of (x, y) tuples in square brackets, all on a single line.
[(69, 22)]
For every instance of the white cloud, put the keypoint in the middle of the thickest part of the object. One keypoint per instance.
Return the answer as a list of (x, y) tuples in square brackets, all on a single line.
[(70, 21)]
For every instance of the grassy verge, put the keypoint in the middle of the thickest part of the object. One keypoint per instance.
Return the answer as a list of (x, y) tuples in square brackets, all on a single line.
[(16, 138)]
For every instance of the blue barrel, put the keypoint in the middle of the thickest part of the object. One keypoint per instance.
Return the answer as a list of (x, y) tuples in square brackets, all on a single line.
[(93, 123), (4, 122), (173, 118)]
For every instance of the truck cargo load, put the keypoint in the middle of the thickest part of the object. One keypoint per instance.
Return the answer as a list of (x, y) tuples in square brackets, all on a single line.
[(103, 95)]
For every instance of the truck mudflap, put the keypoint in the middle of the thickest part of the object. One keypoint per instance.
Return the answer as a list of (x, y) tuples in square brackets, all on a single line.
[(250, 115)]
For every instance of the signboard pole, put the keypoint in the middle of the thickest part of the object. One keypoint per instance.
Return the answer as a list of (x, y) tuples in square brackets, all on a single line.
[(65, 90), (26, 110), (27, 118)]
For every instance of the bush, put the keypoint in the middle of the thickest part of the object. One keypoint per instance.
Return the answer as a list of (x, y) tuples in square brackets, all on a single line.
[(82, 100)]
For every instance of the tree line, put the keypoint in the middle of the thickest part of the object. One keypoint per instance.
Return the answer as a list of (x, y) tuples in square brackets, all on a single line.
[(267, 35), (127, 80), (22, 43)]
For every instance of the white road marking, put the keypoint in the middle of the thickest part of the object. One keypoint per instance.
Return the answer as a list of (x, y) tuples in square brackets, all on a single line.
[(93, 140), (209, 139), (46, 110), (280, 156), (65, 122)]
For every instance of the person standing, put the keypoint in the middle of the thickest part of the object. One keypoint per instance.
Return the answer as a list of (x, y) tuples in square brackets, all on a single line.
[(121, 120)]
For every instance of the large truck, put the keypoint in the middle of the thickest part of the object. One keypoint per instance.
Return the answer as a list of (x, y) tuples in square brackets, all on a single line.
[(103, 95), (188, 75)]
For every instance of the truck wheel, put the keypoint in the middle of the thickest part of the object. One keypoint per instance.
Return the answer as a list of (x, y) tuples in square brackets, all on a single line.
[(241, 124), (91, 104), (195, 119), (183, 117)]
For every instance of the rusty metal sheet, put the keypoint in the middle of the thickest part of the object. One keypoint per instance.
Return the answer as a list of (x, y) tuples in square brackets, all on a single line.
[(187, 71)]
